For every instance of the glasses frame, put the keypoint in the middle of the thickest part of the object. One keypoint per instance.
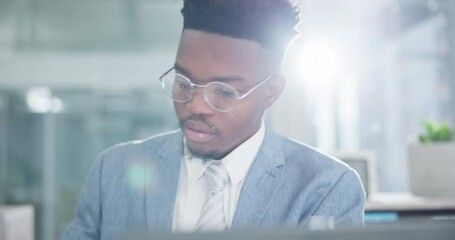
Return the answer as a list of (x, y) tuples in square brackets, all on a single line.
[(193, 86)]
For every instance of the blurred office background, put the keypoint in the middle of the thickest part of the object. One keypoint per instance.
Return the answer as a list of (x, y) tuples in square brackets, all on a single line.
[(79, 76)]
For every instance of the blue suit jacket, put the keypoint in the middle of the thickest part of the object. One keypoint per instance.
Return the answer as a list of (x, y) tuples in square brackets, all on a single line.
[(133, 186)]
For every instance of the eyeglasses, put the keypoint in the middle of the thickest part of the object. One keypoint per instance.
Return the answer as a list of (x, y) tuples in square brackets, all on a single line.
[(220, 96)]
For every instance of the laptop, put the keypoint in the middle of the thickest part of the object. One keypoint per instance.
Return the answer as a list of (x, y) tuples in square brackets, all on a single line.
[(416, 230)]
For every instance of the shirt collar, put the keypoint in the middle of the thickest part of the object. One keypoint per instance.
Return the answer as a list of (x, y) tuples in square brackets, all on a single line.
[(195, 166), (237, 162)]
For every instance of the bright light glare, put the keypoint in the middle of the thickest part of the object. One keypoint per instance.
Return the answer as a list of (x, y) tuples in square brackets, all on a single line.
[(40, 100), (319, 63)]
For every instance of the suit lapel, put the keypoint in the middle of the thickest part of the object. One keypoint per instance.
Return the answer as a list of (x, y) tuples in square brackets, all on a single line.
[(261, 184), (161, 193)]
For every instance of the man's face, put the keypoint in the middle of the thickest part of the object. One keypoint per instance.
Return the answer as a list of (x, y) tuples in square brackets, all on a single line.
[(205, 57)]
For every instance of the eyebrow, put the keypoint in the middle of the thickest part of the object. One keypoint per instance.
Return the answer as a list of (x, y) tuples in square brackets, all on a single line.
[(224, 79)]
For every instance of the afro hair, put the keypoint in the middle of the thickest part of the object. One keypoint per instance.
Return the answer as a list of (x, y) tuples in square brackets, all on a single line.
[(268, 22)]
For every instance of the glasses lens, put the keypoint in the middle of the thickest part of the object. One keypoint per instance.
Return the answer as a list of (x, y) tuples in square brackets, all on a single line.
[(221, 96), (177, 87)]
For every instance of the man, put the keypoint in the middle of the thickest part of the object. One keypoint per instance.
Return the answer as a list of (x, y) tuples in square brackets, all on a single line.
[(224, 169)]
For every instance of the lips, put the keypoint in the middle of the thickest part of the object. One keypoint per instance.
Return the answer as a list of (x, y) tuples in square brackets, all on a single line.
[(197, 131)]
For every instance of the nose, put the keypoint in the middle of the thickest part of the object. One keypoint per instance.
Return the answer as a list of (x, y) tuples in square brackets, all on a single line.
[(197, 104)]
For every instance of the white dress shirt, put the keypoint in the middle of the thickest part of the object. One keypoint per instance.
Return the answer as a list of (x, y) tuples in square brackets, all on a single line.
[(192, 189)]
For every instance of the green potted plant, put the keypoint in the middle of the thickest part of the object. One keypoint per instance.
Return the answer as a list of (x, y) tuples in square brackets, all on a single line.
[(432, 161), (436, 133)]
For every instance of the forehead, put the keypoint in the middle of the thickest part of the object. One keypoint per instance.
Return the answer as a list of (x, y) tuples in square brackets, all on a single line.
[(207, 55)]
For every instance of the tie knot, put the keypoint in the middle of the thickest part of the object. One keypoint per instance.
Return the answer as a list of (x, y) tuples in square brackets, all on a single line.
[(217, 176)]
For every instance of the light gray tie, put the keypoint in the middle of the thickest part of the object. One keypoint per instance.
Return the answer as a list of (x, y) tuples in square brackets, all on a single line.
[(212, 217)]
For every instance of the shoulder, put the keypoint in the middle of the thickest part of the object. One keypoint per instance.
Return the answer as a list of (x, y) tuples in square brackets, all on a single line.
[(298, 153), (306, 164), (138, 147), (315, 183), (138, 152)]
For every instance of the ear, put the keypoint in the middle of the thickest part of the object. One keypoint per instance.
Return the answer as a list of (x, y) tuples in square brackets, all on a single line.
[(275, 87)]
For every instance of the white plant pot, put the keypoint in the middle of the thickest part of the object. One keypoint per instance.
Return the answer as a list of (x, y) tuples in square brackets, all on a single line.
[(432, 169)]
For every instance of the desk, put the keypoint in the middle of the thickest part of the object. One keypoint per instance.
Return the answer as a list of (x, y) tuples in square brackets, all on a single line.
[(394, 207)]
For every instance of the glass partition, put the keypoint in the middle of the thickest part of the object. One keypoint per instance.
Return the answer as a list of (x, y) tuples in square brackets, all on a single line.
[(51, 146)]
